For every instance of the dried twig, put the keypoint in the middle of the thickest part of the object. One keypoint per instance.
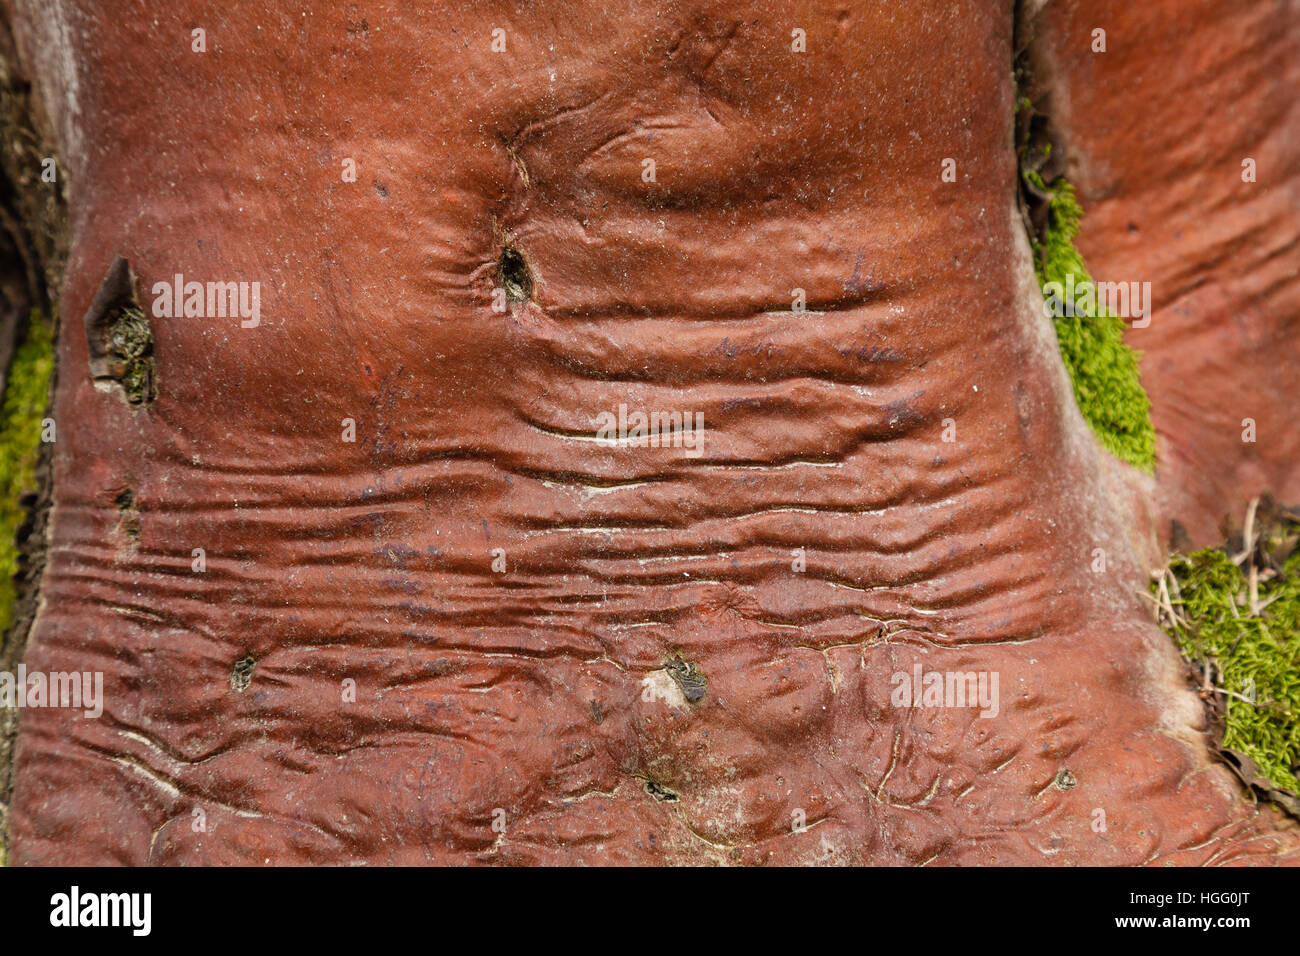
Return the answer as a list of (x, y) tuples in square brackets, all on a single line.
[(1233, 693), (1248, 533)]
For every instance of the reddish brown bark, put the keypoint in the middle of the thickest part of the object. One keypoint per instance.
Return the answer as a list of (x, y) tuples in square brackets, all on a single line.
[(523, 692)]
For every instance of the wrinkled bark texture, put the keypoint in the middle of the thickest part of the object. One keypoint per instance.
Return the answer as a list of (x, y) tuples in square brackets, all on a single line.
[(519, 698)]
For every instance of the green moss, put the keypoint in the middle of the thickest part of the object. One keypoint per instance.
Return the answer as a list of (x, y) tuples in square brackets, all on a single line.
[(25, 400), (1103, 370), (1257, 656)]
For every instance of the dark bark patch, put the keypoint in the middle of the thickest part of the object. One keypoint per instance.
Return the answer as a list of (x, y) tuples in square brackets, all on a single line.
[(241, 675), (515, 277), (128, 519), (660, 792), (692, 683)]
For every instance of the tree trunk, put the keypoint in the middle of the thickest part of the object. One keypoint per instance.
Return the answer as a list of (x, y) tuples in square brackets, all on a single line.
[(364, 578)]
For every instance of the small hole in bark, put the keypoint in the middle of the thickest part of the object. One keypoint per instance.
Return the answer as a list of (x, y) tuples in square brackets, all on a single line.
[(1065, 780), (515, 277), (660, 792), (241, 675), (127, 517), (692, 683), (130, 347), (120, 338)]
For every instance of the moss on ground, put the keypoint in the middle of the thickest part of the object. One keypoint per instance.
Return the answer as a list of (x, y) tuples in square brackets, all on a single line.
[(1245, 641), (25, 401), (1103, 370)]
